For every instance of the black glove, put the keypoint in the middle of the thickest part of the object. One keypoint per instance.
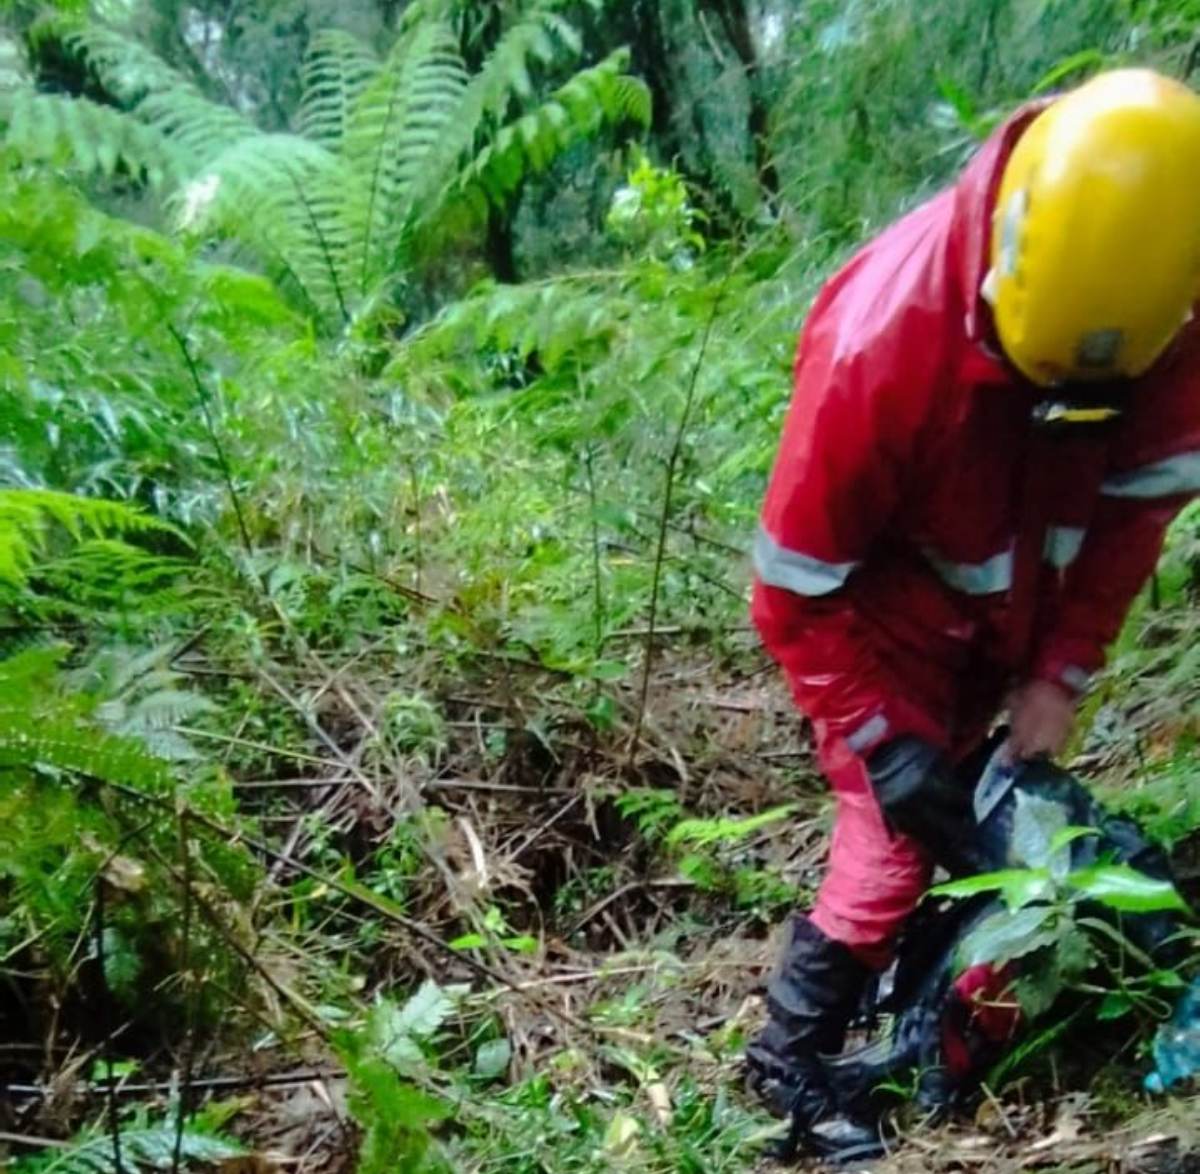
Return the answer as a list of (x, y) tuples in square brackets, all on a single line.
[(920, 797)]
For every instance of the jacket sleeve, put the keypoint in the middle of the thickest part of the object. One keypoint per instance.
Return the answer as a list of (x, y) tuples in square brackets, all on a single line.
[(1154, 470), (846, 449)]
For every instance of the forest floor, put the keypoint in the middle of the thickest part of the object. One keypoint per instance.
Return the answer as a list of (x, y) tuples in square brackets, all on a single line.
[(626, 969)]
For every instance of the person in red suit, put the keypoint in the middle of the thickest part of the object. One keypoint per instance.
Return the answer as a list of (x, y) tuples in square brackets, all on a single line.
[(996, 415)]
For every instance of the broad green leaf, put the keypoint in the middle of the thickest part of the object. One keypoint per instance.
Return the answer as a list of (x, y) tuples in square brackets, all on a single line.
[(520, 944), (1074, 952), (1041, 980), (602, 712), (1060, 849), (1114, 1005), (972, 886), (1018, 886), (1170, 980), (1125, 889), (1005, 936)]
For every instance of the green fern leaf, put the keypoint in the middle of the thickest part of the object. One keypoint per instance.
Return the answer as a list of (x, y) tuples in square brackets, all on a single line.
[(394, 130), (159, 95), (26, 516), (280, 197), (83, 136), (603, 94), (504, 75), (103, 574), (198, 128), (31, 739), (337, 69), (126, 66)]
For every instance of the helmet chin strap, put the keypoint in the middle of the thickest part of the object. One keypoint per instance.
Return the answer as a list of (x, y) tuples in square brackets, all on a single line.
[(1071, 415)]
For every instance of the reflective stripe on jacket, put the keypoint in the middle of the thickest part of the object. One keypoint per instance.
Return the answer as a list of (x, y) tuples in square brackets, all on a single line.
[(923, 541)]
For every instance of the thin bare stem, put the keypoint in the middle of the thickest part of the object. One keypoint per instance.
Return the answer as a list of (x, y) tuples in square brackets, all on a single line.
[(664, 518), (189, 1040), (210, 426), (597, 583), (105, 1010)]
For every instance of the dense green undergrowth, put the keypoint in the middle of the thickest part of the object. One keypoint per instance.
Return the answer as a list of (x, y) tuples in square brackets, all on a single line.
[(376, 697)]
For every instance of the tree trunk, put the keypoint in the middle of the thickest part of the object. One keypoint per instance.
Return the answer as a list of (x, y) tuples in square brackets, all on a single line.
[(501, 253), (735, 23)]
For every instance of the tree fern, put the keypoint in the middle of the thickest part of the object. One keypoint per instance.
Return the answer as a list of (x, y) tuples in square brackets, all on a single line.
[(84, 136), (387, 152), (127, 68), (199, 128), (145, 1145)]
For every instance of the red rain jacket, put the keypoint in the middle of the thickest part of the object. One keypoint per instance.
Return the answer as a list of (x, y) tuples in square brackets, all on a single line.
[(924, 543)]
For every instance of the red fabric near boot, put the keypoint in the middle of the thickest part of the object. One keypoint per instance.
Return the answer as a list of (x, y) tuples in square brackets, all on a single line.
[(992, 1012)]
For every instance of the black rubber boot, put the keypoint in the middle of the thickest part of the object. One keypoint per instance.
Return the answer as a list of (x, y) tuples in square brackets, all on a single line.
[(810, 1000)]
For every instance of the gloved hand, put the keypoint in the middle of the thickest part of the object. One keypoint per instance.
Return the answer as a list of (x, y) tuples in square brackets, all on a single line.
[(920, 797)]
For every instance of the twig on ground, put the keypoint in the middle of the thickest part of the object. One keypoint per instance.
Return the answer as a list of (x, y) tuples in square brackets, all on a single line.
[(248, 744), (544, 826), (322, 736), (632, 887), (208, 1084), (501, 788)]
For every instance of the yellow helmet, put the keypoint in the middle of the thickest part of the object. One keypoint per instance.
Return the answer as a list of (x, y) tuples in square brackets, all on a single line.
[(1096, 232)]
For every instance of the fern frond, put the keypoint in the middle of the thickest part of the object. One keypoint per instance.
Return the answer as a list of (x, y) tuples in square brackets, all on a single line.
[(144, 699), (83, 136), (105, 575), (127, 68), (27, 514), (160, 95), (563, 321), (393, 131), (144, 1146), (542, 35), (43, 726), (36, 739), (592, 98), (280, 196), (337, 68), (199, 128)]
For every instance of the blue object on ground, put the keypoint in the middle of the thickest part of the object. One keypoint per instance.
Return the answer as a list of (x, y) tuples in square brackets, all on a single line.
[(1176, 1046)]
